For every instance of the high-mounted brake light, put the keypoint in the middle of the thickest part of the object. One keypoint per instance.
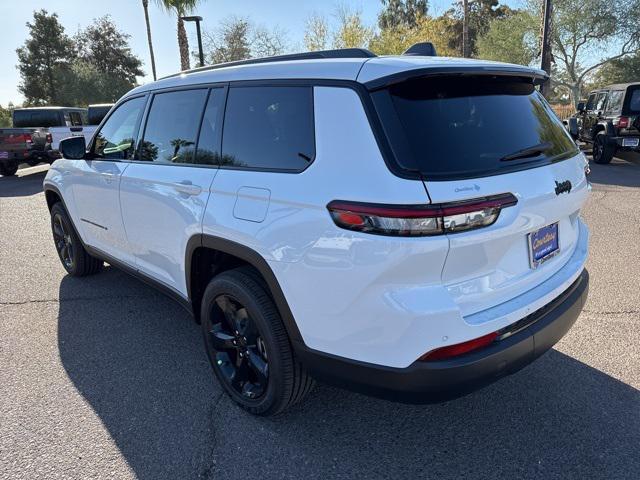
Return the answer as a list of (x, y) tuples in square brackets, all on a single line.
[(419, 220)]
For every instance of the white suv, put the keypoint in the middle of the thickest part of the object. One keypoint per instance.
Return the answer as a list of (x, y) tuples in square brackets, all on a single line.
[(406, 226)]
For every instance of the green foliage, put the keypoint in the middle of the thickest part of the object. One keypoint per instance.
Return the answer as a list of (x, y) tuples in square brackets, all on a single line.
[(316, 35), (46, 52), (481, 14), (351, 32), (402, 13), (437, 30), (511, 39), (106, 48), (621, 70), (5, 116), (99, 68)]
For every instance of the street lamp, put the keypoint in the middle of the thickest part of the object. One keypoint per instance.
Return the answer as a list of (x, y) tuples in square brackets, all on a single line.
[(197, 20)]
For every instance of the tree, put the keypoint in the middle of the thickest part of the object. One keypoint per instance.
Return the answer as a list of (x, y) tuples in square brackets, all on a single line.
[(401, 13), (588, 38), (480, 13), (438, 30), (145, 6), (46, 52), (6, 119), (316, 35), (621, 70), (181, 8), (237, 38), (351, 32), (510, 39), (229, 42), (107, 49)]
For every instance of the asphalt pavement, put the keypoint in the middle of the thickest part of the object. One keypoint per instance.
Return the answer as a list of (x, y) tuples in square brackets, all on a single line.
[(103, 377)]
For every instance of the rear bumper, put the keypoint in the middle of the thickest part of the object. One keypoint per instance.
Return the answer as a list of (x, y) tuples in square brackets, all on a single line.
[(619, 142), (428, 382)]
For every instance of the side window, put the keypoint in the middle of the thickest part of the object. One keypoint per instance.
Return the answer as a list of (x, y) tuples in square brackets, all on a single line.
[(208, 151), (591, 102), (116, 138), (615, 101), (75, 118), (600, 101), (269, 127), (172, 126)]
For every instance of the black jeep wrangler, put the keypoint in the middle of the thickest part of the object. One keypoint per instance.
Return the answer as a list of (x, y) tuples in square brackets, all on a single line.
[(610, 119)]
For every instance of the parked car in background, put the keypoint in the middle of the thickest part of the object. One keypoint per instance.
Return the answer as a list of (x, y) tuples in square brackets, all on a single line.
[(23, 145), (610, 120), (38, 131), (96, 113)]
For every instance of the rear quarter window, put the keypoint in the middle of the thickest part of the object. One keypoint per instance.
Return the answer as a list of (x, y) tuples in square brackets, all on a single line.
[(633, 100), (464, 127), (269, 128)]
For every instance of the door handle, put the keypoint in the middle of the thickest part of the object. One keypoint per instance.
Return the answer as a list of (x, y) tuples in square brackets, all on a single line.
[(187, 188)]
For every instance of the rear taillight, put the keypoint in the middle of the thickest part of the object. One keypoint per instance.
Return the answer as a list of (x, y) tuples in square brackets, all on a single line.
[(49, 138), (419, 220), (459, 348), (622, 122)]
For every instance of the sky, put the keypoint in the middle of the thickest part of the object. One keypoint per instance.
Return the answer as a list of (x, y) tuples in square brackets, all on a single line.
[(128, 15)]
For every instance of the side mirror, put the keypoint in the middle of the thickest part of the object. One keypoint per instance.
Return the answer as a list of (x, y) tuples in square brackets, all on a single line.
[(581, 107), (73, 148)]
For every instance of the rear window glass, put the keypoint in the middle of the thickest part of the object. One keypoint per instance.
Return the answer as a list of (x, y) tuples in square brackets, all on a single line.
[(460, 127), (37, 118), (634, 99), (97, 113), (615, 101)]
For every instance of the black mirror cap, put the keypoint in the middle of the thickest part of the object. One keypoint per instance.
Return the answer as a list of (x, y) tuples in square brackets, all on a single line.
[(581, 106), (424, 49), (73, 148)]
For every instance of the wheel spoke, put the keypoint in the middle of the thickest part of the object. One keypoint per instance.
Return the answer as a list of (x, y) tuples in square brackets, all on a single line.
[(258, 365), (241, 374), (252, 390), (221, 340), (229, 309)]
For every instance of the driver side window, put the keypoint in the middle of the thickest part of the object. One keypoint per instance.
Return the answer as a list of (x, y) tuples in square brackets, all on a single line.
[(116, 138)]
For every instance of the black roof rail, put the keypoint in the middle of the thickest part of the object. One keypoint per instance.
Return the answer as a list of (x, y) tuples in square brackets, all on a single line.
[(338, 53), (425, 49)]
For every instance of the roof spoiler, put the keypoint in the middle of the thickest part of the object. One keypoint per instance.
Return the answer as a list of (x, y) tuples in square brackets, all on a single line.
[(424, 49)]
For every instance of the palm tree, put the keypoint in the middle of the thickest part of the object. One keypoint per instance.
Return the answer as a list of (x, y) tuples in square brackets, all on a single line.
[(145, 5), (181, 8)]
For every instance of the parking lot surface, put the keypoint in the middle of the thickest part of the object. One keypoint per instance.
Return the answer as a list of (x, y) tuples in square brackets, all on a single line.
[(103, 377)]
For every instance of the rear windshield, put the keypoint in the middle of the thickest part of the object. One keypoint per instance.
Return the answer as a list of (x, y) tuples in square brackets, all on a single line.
[(461, 127), (37, 118), (633, 102)]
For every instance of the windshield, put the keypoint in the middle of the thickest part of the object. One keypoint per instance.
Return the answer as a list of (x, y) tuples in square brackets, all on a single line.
[(460, 127)]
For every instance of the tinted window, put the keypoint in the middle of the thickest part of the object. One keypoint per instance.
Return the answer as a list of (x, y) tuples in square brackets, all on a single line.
[(116, 138), (37, 118), (208, 152), (464, 127), (172, 126), (633, 94), (591, 101), (615, 101), (75, 118), (97, 113), (600, 101), (269, 127)]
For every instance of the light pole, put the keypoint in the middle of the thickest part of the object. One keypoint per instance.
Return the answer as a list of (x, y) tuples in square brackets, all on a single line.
[(197, 20)]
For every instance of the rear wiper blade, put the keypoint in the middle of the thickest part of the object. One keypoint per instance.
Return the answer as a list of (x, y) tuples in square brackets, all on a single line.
[(533, 151)]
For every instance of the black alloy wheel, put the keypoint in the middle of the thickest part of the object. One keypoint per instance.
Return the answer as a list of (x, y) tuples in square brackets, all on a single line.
[(237, 348), (63, 241)]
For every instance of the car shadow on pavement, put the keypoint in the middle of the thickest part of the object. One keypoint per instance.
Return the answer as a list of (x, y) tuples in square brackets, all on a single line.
[(138, 360), (623, 172), (22, 185)]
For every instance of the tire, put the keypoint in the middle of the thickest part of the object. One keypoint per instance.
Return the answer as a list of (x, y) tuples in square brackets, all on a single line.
[(603, 151), (74, 258), (8, 169), (267, 379)]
